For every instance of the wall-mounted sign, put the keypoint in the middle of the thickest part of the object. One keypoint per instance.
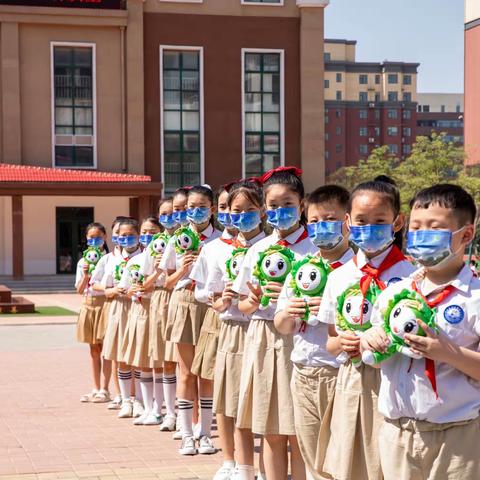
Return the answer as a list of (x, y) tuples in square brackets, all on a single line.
[(113, 4)]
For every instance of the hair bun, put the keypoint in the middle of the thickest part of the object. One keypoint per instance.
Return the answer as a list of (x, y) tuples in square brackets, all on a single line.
[(385, 179)]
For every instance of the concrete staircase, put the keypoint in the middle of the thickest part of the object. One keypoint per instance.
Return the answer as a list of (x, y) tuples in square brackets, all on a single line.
[(40, 284)]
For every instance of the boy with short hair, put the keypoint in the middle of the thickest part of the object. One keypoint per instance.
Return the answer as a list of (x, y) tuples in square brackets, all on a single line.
[(315, 370), (432, 404)]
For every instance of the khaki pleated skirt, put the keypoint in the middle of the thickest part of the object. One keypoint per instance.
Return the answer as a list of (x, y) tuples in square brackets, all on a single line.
[(136, 338), (185, 317), (89, 319), (203, 364), (265, 404), (228, 367), (158, 320), (102, 325), (351, 441), (117, 322)]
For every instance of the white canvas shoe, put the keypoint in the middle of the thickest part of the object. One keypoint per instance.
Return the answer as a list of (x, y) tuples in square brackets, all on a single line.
[(188, 446), (205, 446), (127, 410), (168, 424), (138, 409)]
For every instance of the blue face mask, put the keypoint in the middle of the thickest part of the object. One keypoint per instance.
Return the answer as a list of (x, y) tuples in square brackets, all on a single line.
[(198, 215), (95, 242), (145, 239), (180, 217), (224, 219), (115, 239), (372, 238), (430, 248), (325, 235), (246, 221), (128, 241), (283, 218), (167, 221)]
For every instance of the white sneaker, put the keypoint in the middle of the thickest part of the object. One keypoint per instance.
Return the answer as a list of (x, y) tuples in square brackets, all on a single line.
[(177, 435), (138, 409), (151, 419), (116, 403), (139, 420), (197, 431), (205, 446), (168, 424), (127, 410), (188, 446), (260, 476), (224, 473)]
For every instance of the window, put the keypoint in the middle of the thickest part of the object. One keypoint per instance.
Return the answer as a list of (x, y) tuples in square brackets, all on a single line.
[(392, 78), (407, 97), (392, 113), (326, 119), (378, 97), (327, 56), (327, 83), (363, 149), (363, 97), (406, 149), (338, 130), (263, 107), (338, 148), (363, 79), (338, 113), (426, 108), (363, 131), (338, 95), (363, 114), (182, 86), (327, 155), (393, 96), (377, 79), (457, 108), (419, 108), (339, 77), (392, 131), (442, 108), (407, 79), (73, 105), (273, 2), (407, 132), (407, 114), (377, 131), (393, 148), (327, 137), (377, 114)]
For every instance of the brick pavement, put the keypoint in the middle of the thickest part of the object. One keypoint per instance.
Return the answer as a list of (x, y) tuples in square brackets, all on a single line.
[(46, 433)]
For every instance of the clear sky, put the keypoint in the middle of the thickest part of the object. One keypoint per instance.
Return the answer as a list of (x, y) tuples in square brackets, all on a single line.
[(429, 32)]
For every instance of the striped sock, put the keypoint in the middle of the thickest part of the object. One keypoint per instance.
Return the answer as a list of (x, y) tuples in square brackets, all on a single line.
[(125, 382), (158, 393), (185, 411), (138, 390), (206, 416), (146, 387), (170, 392)]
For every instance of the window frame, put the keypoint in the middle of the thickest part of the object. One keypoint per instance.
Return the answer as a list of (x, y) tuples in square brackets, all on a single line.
[(280, 3), (93, 46), (281, 52), (186, 48)]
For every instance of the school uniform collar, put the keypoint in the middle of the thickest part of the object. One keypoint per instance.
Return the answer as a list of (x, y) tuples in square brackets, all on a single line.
[(347, 256), (208, 232), (375, 262), (226, 235), (252, 241), (125, 255), (461, 282), (292, 238)]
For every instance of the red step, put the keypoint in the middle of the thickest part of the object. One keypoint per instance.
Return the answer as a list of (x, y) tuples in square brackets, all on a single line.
[(5, 294)]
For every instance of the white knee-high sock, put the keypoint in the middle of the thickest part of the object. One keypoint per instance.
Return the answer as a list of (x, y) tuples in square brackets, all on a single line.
[(206, 416), (158, 393), (138, 389), (125, 382), (170, 392), (185, 411), (146, 386)]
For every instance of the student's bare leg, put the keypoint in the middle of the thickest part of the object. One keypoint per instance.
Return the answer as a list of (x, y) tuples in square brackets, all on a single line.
[(276, 456), (297, 465)]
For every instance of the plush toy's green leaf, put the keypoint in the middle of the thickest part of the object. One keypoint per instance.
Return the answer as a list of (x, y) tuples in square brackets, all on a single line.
[(231, 265), (319, 269), (158, 243), (119, 270)]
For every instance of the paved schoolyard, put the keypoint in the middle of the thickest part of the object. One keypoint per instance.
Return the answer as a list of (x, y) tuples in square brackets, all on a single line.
[(46, 433)]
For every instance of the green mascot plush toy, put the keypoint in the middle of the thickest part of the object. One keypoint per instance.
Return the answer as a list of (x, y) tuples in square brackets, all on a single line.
[(186, 240), (273, 265), (401, 317), (354, 312), (136, 278), (234, 264), (91, 256), (119, 271), (309, 277), (158, 244)]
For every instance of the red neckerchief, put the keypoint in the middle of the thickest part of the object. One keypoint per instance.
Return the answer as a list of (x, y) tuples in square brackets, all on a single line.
[(285, 243), (228, 241), (429, 363), (335, 265)]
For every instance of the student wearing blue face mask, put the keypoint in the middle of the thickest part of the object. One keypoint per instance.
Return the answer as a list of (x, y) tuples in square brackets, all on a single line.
[(375, 223), (90, 315)]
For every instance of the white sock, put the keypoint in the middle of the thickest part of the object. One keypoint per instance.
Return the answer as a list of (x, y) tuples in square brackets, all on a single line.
[(185, 412), (138, 390), (170, 392), (146, 386), (206, 416), (125, 382), (158, 393), (245, 472), (229, 464)]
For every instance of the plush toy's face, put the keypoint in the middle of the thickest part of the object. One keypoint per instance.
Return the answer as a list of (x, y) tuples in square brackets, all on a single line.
[(158, 245), (92, 256), (275, 266), (308, 278), (236, 264), (353, 308), (136, 276), (403, 319), (185, 241)]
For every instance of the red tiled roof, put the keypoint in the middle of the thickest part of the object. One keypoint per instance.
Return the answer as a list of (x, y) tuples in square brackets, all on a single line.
[(23, 173)]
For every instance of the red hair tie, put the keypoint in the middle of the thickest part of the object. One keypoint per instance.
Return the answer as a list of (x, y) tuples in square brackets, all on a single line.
[(293, 170), (253, 180), (227, 187), (186, 187)]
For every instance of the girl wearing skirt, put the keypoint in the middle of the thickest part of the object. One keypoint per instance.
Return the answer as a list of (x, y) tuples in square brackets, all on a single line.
[(265, 405), (185, 314), (375, 224), (89, 318)]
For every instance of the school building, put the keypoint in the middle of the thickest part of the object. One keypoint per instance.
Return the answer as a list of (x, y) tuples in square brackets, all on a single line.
[(107, 104)]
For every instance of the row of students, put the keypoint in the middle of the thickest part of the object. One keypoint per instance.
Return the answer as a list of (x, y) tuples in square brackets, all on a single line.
[(302, 386)]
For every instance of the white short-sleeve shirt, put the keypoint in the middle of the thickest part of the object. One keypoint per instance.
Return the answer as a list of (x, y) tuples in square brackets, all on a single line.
[(115, 258), (350, 274), (300, 249), (126, 280), (80, 275), (148, 267), (405, 390), (309, 346)]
